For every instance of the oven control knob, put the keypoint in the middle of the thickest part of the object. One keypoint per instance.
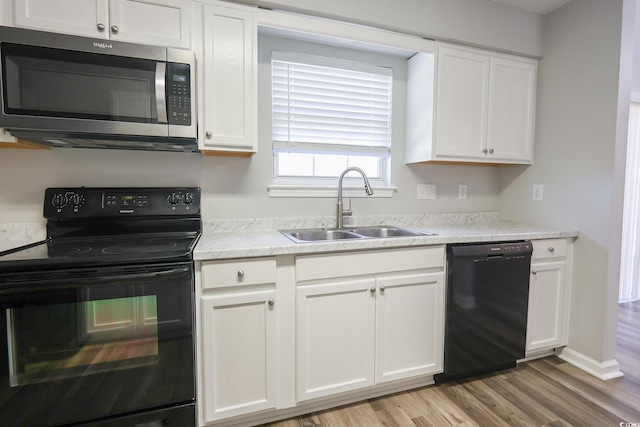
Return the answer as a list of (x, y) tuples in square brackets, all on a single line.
[(188, 198), (173, 199), (59, 200), (76, 200)]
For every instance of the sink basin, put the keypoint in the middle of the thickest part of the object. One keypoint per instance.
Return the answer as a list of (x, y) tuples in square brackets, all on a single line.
[(330, 234), (385, 231), (319, 234)]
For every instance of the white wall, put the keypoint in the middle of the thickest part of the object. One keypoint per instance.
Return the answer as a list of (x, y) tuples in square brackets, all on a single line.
[(579, 156), (479, 22)]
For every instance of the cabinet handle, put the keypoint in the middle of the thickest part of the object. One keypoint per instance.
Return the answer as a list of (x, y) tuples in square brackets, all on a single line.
[(100, 26), (485, 151), (208, 134), (551, 249), (534, 272), (373, 290), (271, 302), (241, 274), (491, 151), (381, 288), (114, 29)]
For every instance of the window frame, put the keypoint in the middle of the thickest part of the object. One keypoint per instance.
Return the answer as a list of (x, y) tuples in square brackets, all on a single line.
[(307, 186)]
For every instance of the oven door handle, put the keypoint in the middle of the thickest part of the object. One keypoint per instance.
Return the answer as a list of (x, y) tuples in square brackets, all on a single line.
[(146, 275), (71, 278)]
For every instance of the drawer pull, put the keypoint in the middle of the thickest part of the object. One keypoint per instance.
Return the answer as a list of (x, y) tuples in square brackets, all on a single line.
[(534, 272), (241, 274), (551, 249)]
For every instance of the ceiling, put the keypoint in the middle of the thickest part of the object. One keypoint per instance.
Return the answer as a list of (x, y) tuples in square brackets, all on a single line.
[(539, 6)]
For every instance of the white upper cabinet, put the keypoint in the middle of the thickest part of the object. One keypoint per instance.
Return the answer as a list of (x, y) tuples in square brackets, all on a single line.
[(512, 92), (225, 39), (478, 107), (462, 94), (157, 22)]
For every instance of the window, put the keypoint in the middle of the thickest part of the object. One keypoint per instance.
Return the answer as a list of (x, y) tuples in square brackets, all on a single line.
[(328, 114)]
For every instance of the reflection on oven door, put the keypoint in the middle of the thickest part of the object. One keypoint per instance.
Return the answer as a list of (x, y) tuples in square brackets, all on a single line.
[(68, 340)]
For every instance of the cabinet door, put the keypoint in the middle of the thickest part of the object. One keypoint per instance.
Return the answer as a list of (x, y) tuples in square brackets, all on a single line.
[(238, 338), (511, 109), (409, 326), (80, 17), (157, 22), (335, 337), (546, 304), (229, 79), (462, 90)]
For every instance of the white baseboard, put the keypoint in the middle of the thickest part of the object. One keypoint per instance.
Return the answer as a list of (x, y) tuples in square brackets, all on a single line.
[(604, 370)]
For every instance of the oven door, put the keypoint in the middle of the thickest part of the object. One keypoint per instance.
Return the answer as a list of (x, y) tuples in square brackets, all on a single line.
[(89, 344)]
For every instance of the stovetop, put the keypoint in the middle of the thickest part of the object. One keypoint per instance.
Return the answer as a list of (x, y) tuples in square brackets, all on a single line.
[(116, 226)]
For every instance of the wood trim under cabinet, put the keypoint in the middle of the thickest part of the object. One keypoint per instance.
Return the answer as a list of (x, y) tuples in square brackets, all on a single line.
[(24, 144), (227, 153)]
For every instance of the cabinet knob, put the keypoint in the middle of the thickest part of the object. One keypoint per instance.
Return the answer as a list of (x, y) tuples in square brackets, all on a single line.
[(381, 288), (551, 249), (485, 151), (373, 290), (241, 274), (114, 29), (208, 134), (100, 27), (490, 150), (534, 272), (271, 302)]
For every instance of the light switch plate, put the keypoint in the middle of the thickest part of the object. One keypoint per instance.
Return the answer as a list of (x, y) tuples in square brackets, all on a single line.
[(462, 191), (426, 191), (538, 192)]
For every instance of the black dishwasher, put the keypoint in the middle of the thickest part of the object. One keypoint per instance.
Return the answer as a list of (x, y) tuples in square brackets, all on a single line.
[(486, 312)]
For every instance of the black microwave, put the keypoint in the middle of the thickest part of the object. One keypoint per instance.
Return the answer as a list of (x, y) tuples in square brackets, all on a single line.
[(70, 91)]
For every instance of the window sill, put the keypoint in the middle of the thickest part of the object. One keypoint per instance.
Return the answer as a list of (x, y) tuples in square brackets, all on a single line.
[(325, 191)]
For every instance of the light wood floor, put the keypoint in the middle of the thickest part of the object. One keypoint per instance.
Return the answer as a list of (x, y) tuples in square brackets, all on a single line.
[(544, 392)]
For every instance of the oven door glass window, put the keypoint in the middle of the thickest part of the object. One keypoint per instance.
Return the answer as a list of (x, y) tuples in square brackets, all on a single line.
[(60, 341), (60, 83), (86, 344)]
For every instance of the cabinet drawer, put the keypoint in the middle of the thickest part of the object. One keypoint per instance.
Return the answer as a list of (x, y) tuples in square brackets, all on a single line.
[(549, 248), (220, 274), (315, 267)]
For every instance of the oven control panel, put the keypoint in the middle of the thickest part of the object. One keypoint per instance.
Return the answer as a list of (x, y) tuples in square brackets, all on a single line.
[(62, 203)]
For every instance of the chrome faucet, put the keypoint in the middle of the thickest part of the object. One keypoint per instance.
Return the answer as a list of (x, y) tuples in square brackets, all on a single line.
[(341, 212)]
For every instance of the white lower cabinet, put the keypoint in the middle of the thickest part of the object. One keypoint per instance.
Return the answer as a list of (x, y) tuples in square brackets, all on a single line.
[(237, 339), (549, 293), (362, 330), (335, 338), (409, 313)]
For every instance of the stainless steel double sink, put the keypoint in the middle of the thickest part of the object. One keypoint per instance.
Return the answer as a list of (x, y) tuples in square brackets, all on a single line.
[(349, 233)]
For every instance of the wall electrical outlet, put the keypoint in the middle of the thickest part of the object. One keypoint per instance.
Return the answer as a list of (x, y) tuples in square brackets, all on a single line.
[(538, 190), (462, 191), (426, 191)]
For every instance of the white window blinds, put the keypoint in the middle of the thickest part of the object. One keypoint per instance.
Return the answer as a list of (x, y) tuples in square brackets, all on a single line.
[(326, 106)]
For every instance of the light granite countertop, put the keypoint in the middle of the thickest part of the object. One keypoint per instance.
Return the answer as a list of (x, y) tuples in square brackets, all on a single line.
[(256, 238), (245, 238)]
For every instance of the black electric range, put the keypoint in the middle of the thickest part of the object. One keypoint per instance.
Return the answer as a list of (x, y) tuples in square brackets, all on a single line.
[(97, 320)]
